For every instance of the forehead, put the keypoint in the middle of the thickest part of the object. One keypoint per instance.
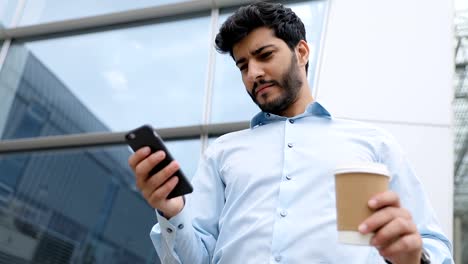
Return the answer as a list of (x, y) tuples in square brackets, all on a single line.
[(257, 38)]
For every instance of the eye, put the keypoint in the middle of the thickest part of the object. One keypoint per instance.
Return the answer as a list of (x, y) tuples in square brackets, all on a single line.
[(243, 67), (266, 55)]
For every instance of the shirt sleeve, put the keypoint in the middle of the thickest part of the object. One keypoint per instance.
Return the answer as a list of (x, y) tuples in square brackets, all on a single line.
[(190, 236), (413, 198)]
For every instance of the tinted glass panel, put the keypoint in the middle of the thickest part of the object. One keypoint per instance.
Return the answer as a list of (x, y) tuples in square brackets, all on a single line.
[(7, 11), (78, 206), (115, 80), (42, 11)]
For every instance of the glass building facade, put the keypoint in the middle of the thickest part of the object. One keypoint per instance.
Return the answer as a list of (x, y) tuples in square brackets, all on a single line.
[(80, 204)]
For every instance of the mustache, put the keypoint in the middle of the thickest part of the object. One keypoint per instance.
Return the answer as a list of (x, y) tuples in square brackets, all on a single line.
[(261, 82)]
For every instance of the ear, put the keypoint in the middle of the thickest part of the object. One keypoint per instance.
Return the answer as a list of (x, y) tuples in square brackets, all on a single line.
[(302, 53)]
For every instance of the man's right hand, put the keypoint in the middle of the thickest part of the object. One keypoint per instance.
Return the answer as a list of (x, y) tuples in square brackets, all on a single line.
[(156, 188)]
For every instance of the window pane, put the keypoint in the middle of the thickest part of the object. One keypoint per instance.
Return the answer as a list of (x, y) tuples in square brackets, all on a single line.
[(78, 206), (115, 80), (187, 154), (7, 11), (230, 100), (42, 11)]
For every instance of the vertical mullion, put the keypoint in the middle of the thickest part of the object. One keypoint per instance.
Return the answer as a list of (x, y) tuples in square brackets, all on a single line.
[(209, 78), (4, 51), (18, 13), (320, 52), (14, 22)]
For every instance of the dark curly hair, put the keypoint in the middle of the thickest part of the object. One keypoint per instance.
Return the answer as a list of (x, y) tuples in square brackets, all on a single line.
[(284, 22)]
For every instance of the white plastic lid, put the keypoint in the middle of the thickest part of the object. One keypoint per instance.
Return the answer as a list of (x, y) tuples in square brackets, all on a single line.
[(365, 167)]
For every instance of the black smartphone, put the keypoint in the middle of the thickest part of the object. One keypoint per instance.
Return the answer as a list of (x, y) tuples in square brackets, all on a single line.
[(146, 136)]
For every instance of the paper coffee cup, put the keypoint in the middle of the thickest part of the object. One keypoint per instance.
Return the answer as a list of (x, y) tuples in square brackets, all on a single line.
[(355, 185)]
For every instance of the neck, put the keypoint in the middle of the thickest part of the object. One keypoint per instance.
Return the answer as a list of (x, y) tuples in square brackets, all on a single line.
[(299, 106)]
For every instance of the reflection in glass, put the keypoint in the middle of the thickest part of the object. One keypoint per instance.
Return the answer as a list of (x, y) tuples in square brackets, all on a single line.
[(78, 206), (43, 11), (36, 103), (118, 80), (63, 206), (7, 11), (187, 154), (230, 100)]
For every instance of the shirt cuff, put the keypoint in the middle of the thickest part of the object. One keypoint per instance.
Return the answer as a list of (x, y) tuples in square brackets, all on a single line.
[(438, 251), (177, 223)]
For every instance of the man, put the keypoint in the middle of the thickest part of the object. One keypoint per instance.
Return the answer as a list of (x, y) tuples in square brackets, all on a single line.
[(266, 194)]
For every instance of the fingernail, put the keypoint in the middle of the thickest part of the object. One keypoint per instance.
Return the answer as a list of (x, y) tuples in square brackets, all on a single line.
[(157, 155), (146, 150), (372, 202), (362, 228)]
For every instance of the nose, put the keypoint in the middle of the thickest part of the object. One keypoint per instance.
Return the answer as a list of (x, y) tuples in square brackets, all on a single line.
[(255, 71)]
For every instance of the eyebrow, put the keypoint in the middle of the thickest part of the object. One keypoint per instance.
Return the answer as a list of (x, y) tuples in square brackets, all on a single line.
[(254, 53)]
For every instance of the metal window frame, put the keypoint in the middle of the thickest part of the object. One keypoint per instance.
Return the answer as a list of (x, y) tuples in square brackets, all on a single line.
[(102, 22), (116, 18), (113, 138)]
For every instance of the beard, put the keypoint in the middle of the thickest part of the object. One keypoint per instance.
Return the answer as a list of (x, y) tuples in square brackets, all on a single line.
[(289, 85)]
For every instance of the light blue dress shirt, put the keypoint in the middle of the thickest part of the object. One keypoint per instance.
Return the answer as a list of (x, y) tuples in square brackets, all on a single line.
[(267, 195)]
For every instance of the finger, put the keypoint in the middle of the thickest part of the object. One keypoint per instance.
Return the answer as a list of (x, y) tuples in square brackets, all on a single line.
[(384, 199), (162, 192), (144, 167), (408, 243), (382, 217), (163, 175), (138, 156), (155, 181), (391, 232)]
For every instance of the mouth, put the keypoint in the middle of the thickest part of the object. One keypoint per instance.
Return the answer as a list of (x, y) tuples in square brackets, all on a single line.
[(263, 89)]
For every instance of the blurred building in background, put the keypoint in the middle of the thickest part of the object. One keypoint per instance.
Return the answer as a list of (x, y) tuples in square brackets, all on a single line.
[(460, 107), (68, 206)]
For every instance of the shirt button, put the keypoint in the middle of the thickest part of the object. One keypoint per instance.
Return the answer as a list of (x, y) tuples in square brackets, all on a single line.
[(260, 124), (291, 121), (288, 177), (268, 115), (278, 258), (169, 230), (181, 226), (283, 213), (290, 145)]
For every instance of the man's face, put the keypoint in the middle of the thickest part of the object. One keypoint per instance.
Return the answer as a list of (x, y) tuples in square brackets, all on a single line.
[(269, 69)]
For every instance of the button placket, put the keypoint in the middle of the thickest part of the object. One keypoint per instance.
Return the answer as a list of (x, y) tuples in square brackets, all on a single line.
[(280, 228)]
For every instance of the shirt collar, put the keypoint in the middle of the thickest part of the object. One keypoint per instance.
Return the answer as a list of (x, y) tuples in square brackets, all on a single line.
[(313, 109)]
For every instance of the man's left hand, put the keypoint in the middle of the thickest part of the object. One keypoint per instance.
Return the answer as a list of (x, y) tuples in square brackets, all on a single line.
[(396, 237)]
